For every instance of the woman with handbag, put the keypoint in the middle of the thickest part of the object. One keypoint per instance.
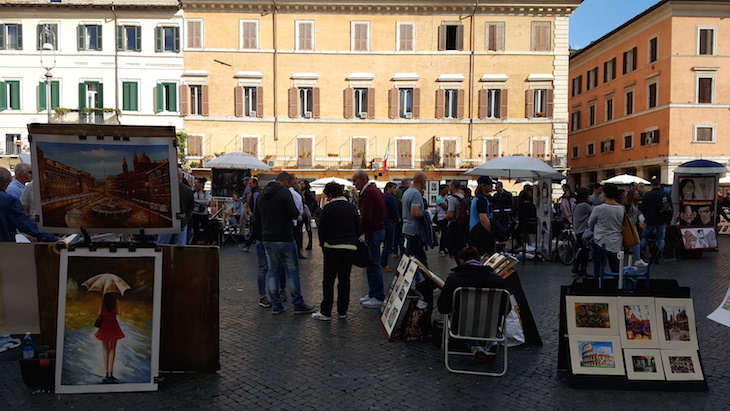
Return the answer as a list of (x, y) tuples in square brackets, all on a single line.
[(339, 230), (109, 333), (607, 221)]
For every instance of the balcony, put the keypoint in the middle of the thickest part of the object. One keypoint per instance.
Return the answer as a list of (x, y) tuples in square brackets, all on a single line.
[(87, 116)]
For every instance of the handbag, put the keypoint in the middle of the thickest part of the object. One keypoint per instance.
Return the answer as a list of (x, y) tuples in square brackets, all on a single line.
[(631, 236), (98, 321), (362, 255)]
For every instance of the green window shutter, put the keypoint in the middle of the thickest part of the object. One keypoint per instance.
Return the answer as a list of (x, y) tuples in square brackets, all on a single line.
[(14, 87), (2, 37), (158, 39), (42, 95), (138, 44), (129, 96), (125, 96), (82, 96), (20, 37), (177, 39), (3, 95), (39, 40), (159, 98), (172, 95), (80, 37), (120, 38), (100, 95), (98, 37), (55, 94)]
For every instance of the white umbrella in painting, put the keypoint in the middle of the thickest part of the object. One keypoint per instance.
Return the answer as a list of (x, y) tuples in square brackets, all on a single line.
[(106, 283), (516, 167), (701, 167), (321, 182), (238, 161), (624, 179)]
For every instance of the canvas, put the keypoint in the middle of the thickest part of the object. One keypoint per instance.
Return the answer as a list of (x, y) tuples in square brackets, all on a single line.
[(677, 321), (701, 238), (644, 364), (397, 295), (722, 313), (638, 324), (123, 353), (682, 365), (592, 315), (596, 354)]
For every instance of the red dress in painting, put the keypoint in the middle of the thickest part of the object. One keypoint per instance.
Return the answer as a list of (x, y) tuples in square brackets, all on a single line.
[(109, 330)]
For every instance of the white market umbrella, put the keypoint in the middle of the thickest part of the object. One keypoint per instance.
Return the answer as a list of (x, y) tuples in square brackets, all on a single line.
[(238, 161), (321, 182), (516, 167), (378, 183), (624, 179), (701, 167)]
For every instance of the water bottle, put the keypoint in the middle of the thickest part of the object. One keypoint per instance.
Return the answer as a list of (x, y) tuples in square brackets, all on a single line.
[(28, 347)]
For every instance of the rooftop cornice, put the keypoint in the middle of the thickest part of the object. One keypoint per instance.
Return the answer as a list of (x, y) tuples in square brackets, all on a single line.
[(96, 4)]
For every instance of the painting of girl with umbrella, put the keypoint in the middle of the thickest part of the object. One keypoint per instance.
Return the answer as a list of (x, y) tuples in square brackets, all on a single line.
[(108, 323)]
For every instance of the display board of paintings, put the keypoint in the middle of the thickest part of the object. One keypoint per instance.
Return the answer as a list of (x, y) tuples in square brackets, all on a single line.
[(696, 217), (396, 297)]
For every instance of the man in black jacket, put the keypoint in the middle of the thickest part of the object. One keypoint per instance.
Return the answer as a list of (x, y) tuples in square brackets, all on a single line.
[(275, 209), (654, 219)]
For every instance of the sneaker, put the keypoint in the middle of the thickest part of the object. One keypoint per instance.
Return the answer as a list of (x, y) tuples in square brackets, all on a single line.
[(303, 309), (483, 355), (243, 247), (301, 257), (277, 311), (387, 269), (342, 316), (319, 316), (372, 303), (442, 254), (363, 299), (640, 263), (264, 302)]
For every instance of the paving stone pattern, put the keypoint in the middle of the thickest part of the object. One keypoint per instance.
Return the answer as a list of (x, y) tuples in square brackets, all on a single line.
[(293, 362)]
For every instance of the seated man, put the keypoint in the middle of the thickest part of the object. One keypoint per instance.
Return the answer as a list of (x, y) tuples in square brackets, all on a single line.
[(470, 273)]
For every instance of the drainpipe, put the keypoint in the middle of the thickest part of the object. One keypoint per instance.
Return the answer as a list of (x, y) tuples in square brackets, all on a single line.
[(471, 81), (275, 63), (116, 66)]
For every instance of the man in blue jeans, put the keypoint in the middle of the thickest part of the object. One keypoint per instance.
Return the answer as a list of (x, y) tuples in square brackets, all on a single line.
[(391, 224), (274, 210), (372, 221), (654, 220)]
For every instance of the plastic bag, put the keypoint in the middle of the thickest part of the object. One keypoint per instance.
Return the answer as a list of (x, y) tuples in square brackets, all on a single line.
[(514, 332)]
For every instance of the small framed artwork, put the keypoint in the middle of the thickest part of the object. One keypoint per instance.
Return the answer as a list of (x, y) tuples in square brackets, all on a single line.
[(700, 238), (638, 325), (592, 315), (596, 354), (403, 264), (682, 365), (644, 364), (677, 322), (722, 313)]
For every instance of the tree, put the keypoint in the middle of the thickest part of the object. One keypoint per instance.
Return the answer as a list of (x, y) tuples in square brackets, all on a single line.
[(182, 148)]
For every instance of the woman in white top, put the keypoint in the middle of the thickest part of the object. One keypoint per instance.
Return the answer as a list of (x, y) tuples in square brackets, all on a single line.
[(607, 221)]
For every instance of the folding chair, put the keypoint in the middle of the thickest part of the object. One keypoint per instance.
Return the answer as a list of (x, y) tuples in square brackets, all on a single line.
[(478, 314)]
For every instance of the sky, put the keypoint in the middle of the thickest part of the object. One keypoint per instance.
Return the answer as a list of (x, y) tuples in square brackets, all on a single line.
[(594, 18)]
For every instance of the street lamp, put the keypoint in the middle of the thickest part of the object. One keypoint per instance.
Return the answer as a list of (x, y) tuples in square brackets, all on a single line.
[(48, 62)]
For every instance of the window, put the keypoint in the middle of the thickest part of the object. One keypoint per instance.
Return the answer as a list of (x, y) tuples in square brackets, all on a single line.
[(249, 101), (575, 152), (305, 36), (47, 34), (406, 36), (609, 109), (404, 102), (305, 156), (650, 137), (592, 78), (404, 152), (166, 97), (705, 88), (304, 102), (590, 149), (628, 141), (195, 146), (450, 152), (607, 145), (491, 148), (359, 102), (539, 103), (591, 114), (495, 36), (630, 60), (11, 37), (130, 96), (449, 103), (195, 34), (538, 147), (129, 38), (652, 95), (706, 40), (10, 95), (575, 120), (540, 36), (250, 34), (88, 37), (609, 70), (451, 36), (704, 133), (360, 39), (194, 99), (358, 150), (653, 49), (91, 95), (12, 145), (493, 103), (42, 95), (167, 39), (577, 86), (250, 145), (629, 103)]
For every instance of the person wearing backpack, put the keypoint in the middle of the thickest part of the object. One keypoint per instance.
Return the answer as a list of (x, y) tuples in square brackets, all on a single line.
[(657, 210), (457, 214)]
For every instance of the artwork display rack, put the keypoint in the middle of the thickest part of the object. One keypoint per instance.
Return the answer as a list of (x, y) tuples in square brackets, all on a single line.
[(589, 287)]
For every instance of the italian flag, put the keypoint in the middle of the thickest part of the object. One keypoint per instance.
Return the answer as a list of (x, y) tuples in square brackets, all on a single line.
[(386, 157)]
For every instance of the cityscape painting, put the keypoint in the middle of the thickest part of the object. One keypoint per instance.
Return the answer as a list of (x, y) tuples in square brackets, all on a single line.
[(678, 323), (594, 315), (638, 325), (106, 185), (593, 354)]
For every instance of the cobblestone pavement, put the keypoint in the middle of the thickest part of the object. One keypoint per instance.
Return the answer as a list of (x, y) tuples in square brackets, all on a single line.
[(292, 362)]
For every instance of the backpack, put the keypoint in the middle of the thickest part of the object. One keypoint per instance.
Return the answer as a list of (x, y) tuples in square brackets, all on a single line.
[(462, 220), (666, 212)]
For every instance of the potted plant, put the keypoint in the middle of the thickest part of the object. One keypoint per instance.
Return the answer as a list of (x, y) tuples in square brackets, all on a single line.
[(360, 154)]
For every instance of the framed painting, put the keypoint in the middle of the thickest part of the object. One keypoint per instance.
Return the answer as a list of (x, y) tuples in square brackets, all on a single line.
[(698, 238), (396, 298), (592, 315), (108, 321), (677, 323), (682, 365), (403, 264), (722, 313), (644, 364), (106, 184), (596, 354), (638, 325)]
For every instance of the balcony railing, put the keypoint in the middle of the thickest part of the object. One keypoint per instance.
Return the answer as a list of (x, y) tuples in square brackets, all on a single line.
[(87, 116)]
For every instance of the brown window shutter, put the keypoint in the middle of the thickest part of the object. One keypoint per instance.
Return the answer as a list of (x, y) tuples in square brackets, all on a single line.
[(549, 105), (492, 37), (393, 103), (184, 100), (442, 37), (460, 37), (529, 103), (293, 96), (371, 103), (259, 102), (440, 102), (416, 103), (483, 93), (204, 97), (503, 103), (656, 136), (460, 104), (315, 102), (238, 97), (349, 96)]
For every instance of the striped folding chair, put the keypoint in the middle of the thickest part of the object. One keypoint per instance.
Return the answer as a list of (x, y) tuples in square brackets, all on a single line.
[(478, 314)]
